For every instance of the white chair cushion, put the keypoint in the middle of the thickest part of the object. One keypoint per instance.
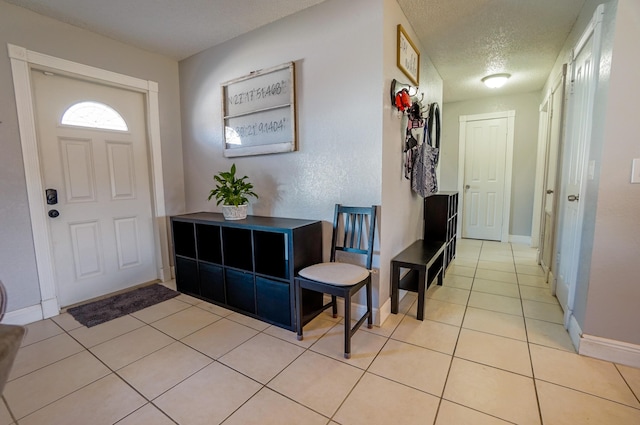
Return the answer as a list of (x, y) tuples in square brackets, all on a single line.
[(339, 274)]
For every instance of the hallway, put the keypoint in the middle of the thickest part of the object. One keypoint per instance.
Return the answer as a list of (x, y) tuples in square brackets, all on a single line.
[(491, 350)]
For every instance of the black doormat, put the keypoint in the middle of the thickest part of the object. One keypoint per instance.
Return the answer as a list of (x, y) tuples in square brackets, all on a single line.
[(97, 312)]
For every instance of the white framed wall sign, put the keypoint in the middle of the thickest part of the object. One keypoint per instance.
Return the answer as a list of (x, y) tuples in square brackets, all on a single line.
[(259, 113), (408, 56)]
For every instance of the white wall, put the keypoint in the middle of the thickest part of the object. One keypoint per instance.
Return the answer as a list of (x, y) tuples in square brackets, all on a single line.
[(597, 140), (402, 219), (38, 33), (350, 139), (614, 290), (524, 150), (336, 48), (607, 292), (339, 158)]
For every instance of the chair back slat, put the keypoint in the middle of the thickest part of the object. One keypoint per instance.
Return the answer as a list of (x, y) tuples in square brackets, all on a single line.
[(356, 237)]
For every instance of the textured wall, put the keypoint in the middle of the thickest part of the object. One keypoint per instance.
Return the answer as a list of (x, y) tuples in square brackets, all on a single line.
[(338, 86), (35, 32), (350, 140), (402, 219), (339, 158), (614, 290), (597, 142)]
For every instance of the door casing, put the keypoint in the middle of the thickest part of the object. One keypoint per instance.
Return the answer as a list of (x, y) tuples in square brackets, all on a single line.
[(550, 118), (22, 61), (506, 210)]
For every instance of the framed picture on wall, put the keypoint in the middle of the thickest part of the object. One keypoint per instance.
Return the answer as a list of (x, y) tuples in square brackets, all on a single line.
[(259, 112), (408, 56)]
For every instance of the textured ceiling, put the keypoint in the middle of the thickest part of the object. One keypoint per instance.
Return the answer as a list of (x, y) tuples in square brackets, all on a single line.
[(465, 39), (469, 39)]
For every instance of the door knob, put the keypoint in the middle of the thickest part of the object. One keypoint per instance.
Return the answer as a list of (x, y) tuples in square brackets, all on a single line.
[(549, 191), (467, 187), (573, 198), (53, 213)]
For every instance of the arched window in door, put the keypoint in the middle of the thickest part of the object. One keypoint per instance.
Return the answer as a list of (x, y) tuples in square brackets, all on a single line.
[(94, 115)]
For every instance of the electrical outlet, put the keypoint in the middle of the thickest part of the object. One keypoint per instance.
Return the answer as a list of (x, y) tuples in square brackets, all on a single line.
[(635, 171)]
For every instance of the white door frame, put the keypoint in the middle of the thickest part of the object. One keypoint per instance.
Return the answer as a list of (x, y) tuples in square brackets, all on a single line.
[(462, 142), (544, 141), (22, 61)]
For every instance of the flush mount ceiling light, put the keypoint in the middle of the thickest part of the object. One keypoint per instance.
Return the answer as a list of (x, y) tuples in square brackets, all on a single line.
[(496, 80)]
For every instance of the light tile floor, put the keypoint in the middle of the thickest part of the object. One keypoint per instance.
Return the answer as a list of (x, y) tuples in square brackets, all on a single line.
[(491, 350)]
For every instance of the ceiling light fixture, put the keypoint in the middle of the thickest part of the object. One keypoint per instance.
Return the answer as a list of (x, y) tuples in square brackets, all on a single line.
[(496, 80)]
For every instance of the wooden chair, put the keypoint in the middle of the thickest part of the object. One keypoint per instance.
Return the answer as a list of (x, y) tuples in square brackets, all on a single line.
[(353, 232)]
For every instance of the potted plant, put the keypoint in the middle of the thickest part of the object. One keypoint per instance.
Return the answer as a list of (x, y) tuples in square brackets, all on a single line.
[(233, 193)]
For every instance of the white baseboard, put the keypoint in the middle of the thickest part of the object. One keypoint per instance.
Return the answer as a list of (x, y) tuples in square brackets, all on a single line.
[(610, 350), (24, 316), (575, 333), (520, 240), (383, 313)]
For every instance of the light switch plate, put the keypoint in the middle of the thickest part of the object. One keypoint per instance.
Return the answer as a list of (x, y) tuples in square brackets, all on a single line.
[(635, 171)]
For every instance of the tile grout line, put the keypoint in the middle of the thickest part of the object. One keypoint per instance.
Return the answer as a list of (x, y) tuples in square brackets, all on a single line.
[(526, 332), (453, 353), (637, 396)]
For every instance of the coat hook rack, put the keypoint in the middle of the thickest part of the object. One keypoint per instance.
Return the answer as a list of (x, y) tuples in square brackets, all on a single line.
[(401, 94)]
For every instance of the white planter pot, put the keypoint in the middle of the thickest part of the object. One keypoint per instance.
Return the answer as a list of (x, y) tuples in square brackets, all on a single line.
[(231, 212)]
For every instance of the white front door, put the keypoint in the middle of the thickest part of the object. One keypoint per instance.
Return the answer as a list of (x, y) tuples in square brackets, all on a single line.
[(484, 179), (102, 239), (550, 196), (575, 155)]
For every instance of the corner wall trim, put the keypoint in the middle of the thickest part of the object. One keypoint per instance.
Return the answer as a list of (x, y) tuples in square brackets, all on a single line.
[(24, 316), (610, 350), (521, 240)]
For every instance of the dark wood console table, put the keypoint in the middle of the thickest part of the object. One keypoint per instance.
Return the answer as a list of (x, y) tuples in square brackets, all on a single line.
[(247, 266), (425, 259)]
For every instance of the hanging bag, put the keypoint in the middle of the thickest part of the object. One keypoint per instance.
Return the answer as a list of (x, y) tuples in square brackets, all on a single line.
[(424, 179)]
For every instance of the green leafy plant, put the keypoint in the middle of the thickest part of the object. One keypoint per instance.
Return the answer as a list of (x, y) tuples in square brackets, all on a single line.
[(231, 190)]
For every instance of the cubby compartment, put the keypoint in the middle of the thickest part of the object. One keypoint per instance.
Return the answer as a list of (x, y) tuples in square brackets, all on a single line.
[(212, 282), (441, 222), (237, 248), (209, 244), (273, 300), (184, 239), (271, 254), (240, 292), (187, 276)]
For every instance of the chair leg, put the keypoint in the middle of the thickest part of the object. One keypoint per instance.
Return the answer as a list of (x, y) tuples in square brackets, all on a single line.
[(369, 305), (347, 325), (299, 315), (334, 306)]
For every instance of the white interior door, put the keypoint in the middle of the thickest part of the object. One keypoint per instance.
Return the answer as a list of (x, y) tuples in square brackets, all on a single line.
[(575, 154), (556, 103), (103, 238), (484, 179)]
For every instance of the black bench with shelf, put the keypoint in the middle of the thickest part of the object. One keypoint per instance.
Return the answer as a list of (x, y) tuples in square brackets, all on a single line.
[(425, 261)]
